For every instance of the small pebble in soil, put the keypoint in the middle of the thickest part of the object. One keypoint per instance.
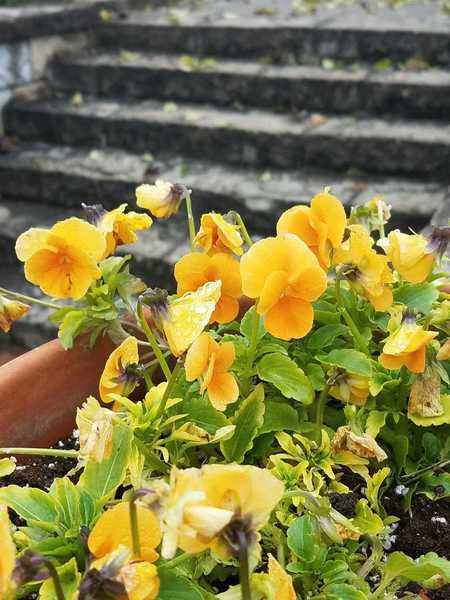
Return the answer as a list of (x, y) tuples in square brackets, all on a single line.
[(401, 490)]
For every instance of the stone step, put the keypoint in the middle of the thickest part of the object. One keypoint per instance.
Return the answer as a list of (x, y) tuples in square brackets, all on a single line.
[(247, 137), (424, 93), (347, 34), (63, 177)]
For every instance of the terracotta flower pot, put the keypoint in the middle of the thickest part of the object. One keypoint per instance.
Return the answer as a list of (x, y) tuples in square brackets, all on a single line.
[(40, 391)]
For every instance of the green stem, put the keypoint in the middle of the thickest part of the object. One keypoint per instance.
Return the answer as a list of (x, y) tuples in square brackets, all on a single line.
[(55, 577), (320, 409), (134, 528), (411, 477), (180, 559), (244, 570), (381, 219), (360, 343), (29, 299), (190, 218), (170, 385), (147, 379), (40, 452), (243, 229), (153, 342), (374, 558)]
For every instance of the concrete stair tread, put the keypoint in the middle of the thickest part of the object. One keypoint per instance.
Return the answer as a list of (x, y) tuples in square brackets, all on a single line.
[(171, 62), (252, 120), (357, 88), (66, 176)]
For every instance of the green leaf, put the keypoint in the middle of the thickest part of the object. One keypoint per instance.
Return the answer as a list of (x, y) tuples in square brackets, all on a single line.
[(7, 466), (247, 325), (366, 520), (418, 297), (343, 591), (248, 419), (430, 565), (101, 480), (71, 326), (304, 539), (282, 372), (279, 416), (349, 360), (176, 587), (325, 336), (316, 376), (203, 414), (374, 484), (375, 422), (68, 498), (69, 578), (35, 506)]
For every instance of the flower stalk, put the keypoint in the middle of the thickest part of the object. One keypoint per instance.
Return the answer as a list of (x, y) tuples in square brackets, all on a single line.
[(170, 385), (320, 409), (190, 218), (40, 452), (244, 230), (153, 342), (29, 299), (244, 570), (134, 527), (359, 340)]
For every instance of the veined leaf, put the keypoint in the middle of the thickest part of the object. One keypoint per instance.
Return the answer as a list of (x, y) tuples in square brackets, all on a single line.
[(343, 591), (247, 323), (282, 372), (279, 416), (7, 466), (325, 336), (304, 539), (68, 498), (35, 506), (417, 297), (248, 419), (176, 587), (69, 578), (101, 480), (349, 360)]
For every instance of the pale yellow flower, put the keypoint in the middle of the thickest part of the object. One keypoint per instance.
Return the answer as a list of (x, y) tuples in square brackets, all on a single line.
[(96, 431), (410, 256), (8, 552), (162, 199)]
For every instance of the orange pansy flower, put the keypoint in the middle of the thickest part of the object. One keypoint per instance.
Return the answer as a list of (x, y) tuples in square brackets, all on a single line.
[(321, 226), (195, 269), (285, 276), (211, 361), (113, 529), (217, 235)]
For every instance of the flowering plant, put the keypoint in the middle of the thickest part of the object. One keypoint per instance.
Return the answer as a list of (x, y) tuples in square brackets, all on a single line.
[(231, 413)]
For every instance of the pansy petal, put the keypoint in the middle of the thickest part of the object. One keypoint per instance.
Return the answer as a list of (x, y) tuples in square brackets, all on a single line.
[(296, 220), (29, 242), (81, 234), (190, 272), (326, 208), (290, 318), (227, 309), (197, 357), (222, 390)]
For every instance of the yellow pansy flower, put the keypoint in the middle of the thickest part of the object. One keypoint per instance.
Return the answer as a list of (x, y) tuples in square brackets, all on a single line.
[(407, 347), (217, 235), (285, 277), (210, 361), (8, 553), (194, 270), (139, 578), (321, 226), (120, 227), (62, 261), (162, 199), (367, 271), (444, 351), (11, 311), (96, 431), (120, 373), (348, 387), (280, 581), (113, 529), (410, 256), (213, 507)]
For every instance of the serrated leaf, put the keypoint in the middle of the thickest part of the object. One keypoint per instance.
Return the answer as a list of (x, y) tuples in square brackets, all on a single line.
[(304, 539), (366, 520), (282, 372), (247, 323), (248, 419), (350, 360), (417, 297)]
